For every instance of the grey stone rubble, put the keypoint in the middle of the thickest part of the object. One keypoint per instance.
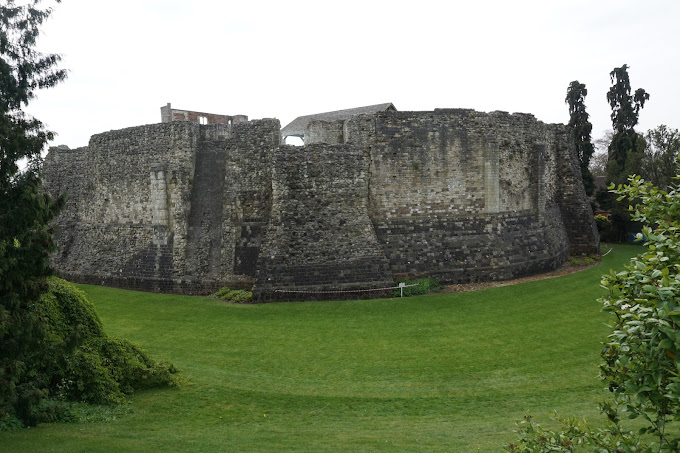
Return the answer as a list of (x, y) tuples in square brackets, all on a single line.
[(458, 195)]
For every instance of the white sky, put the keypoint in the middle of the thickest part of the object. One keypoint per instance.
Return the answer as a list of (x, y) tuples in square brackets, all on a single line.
[(283, 59)]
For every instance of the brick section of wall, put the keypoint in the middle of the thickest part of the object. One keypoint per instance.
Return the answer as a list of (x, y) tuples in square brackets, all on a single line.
[(169, 114), (204, 244), (320, 236)]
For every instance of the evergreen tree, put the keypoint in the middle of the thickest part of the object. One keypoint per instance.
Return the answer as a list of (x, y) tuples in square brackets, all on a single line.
[(626, 150), (580, 129), (627, 146), (25, 211)]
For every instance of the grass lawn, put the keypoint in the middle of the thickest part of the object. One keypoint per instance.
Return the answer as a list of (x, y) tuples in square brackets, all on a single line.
[(448, 372)]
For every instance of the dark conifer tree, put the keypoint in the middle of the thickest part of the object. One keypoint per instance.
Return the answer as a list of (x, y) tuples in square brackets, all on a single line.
[(25, 211), (581, 129), (626, 150), (627, 146)]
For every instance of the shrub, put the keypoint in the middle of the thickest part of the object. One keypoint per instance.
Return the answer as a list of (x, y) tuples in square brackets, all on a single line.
[(237, 296), (78, 362), (641, 357), (422, 286), (10, 423), (583, 260), (605, 228)]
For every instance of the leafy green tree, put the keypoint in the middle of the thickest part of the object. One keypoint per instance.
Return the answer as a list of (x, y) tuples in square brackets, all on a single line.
[(25, 211), (581, 129), (642, 353), (658, 163)]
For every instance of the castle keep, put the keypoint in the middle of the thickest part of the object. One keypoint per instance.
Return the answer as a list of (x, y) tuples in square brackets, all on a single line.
[(185, 207)]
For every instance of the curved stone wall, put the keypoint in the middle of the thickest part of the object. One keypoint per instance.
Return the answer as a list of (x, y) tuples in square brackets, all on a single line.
[(454, 194)]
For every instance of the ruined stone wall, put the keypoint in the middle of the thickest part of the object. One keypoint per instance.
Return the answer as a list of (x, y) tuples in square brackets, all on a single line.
[(145, 205), (466, 196), (168, 114), (129, 226), (320, 237), (247, 196), (330, 132), (454, 194)]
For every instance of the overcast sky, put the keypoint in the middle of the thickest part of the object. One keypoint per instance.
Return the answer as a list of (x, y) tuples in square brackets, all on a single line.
[(282, 59)]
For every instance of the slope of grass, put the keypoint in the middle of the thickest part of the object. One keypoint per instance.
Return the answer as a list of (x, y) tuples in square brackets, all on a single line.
[(449, 372)]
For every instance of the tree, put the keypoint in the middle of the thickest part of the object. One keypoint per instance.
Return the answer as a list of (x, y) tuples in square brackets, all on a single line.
[(598, 164), (52, 345), (25, 211), (627, 146), (658, 163), (626, 149), (642, 352), (581, 129)]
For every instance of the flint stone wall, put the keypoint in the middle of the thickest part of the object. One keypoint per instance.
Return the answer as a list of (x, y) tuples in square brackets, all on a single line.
[(141, 215), (320, 237), (466, 196), (454, 194)]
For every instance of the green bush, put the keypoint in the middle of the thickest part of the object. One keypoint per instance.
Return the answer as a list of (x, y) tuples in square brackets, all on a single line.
[(237, 296), (641, 356), (422, 286), (10, 423), (606, 229), (78, 362)]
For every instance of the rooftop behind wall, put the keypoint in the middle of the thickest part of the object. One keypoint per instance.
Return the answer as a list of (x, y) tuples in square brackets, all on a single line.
[(169, 114)]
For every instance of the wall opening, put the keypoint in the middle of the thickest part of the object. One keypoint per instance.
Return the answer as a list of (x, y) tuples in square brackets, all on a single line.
[(294, 140), (202, 120)]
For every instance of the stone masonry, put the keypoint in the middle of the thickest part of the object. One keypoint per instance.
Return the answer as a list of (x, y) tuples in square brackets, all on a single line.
[(455, 194)]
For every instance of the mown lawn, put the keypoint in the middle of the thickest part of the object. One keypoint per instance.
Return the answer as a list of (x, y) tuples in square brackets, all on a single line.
[(437, 373)]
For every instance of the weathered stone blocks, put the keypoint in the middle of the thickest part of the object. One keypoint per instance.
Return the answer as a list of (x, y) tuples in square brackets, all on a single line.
[(455, 194)]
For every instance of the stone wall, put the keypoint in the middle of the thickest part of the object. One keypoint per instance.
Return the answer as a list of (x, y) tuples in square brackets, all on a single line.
[(168, 114), (320, 237), (454, 194), (330, 132), (468, 196), (145, 205)]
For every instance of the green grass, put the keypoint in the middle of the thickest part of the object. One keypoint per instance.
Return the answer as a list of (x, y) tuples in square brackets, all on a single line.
[(449, 372)]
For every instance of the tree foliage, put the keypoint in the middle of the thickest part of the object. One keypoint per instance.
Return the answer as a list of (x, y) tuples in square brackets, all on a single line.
[(75, 361), (627, 146), (25, 211), (626, 149), (52, 347), (642, 353), (658, 164), (581, 129)]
